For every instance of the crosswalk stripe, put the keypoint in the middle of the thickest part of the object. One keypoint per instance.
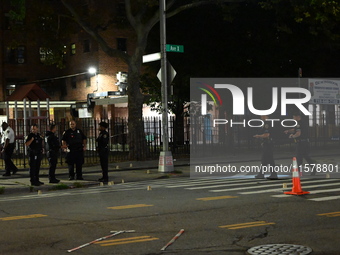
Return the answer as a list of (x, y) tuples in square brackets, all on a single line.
[(234, 183), (276, 190), (261, 186), (240, 186), (311, 192), (226, 181), (325, 198)]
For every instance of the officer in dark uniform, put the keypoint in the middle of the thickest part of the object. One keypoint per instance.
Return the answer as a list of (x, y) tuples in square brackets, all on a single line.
[(75, 141), (52, 149), (267, 158), (300, 135), (35, 144), (103, 150)]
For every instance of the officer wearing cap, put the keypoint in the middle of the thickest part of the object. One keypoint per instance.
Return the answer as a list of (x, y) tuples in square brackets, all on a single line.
[(102, 146), (75, 140), (267, 158), (35, 144), (52, 151), (300, 135)]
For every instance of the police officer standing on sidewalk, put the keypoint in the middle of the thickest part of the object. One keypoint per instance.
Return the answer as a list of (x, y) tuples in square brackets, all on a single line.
[(300, 135), (267, 158), (8, 146), (52, 150), (75, 140), (35, 144), (103, 150)]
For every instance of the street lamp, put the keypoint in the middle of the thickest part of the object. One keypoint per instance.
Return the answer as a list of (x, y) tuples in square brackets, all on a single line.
[(93, 70)]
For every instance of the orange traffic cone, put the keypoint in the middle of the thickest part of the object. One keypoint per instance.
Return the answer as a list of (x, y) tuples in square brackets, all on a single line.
[(296, 190)]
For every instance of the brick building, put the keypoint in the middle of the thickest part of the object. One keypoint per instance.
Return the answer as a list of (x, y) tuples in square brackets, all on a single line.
[(22, 62)]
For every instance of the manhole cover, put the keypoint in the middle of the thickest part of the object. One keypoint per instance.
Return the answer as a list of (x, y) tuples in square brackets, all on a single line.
[(280, 249)]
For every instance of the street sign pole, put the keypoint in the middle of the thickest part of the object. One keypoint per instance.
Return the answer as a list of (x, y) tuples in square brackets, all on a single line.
[(165, 159)]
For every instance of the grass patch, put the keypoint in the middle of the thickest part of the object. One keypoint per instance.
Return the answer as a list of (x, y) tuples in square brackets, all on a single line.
[(78, 185), (2, 190), (60, 186)]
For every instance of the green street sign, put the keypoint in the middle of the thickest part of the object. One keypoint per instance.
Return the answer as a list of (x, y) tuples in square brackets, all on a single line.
[(174, 48)]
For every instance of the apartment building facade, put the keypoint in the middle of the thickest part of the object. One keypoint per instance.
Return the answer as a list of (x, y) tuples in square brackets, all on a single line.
[(23, 61)]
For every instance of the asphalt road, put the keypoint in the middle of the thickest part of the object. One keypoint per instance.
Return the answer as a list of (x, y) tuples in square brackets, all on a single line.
[(223, 216)]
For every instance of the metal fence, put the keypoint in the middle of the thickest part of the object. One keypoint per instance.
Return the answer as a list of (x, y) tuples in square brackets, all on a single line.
[(118, 131), (208, 140), (187, 135)]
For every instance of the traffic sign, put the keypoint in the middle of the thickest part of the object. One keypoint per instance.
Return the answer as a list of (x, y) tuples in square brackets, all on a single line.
[(151, 57), (174, 48), (171, 73)]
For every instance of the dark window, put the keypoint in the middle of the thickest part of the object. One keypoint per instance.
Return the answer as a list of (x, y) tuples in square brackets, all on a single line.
[(120, 17), (63, 88), (74, 82), (88, 80), (121, 44), (86, 46), (7, 22), (15, 55)]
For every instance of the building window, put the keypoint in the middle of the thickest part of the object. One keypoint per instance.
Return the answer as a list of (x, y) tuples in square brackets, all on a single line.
[(121, 44), (44, 54), (7, 22), (10, 89), (86, 46), (120, 16), (88, 80), (74, 82), (73, 49), (15, 55)]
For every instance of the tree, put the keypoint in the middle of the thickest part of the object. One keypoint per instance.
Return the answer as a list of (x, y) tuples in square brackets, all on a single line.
[(142, 16)]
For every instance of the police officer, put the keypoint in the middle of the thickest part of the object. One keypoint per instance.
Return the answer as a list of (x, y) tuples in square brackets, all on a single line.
[(35, 144), (52, 151), (103, 150), (267, 158), (300, 135), (75, 140), (8, 146)]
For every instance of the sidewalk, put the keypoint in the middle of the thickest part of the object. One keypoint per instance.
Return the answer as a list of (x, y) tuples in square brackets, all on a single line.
[(118, 173), (132, 172)]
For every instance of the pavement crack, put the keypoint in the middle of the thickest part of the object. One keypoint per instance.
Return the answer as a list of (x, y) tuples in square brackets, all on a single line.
[(263, 234), (3, 211)]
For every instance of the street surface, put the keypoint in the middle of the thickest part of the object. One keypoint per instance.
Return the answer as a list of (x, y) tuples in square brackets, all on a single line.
[(219, 216)]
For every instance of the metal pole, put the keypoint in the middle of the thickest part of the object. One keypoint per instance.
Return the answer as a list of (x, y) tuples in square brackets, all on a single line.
[(164, 76), (165, 158)]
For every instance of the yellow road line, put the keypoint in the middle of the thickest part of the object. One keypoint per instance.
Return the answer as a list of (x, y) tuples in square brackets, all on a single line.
[(123, 239), (128, 206), (136, 239), (331, 214), (23, 217), (247, 225), (214, 198)]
